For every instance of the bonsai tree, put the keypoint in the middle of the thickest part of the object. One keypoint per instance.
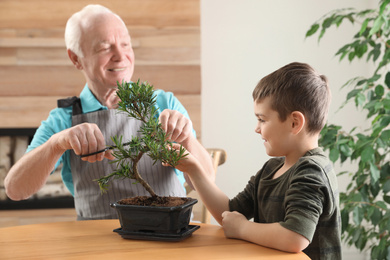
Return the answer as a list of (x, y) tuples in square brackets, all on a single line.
[(138, 101), (365, 206)]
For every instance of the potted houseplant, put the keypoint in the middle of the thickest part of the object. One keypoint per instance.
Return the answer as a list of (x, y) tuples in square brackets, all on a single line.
[(144, 217), (365, 206)]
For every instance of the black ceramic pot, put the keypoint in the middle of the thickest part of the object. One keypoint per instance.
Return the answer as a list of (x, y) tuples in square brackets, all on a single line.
[(162, 220)]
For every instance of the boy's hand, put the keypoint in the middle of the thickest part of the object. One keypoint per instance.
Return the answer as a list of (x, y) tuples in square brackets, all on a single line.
[(188, 164), (232, 223)]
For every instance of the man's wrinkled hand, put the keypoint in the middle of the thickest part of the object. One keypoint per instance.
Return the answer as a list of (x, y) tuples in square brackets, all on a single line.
[(176, 125), (84, 139)]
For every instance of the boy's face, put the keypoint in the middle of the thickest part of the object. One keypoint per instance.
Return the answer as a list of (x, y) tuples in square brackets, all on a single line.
[(274, 132)]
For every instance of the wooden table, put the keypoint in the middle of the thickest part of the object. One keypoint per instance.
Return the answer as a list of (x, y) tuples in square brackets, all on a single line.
[(95, 239)]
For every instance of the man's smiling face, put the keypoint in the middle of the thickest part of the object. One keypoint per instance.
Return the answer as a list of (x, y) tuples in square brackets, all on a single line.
[(108, 54)]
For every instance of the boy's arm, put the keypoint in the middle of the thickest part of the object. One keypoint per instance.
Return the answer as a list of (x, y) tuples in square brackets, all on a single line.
[(214, 199), (235, 224), (180, 130), (271, 235)]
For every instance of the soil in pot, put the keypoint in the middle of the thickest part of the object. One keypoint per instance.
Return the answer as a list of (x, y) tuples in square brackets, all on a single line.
[(154, 201)]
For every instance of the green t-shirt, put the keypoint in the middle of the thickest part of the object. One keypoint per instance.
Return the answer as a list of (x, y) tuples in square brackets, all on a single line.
[(305, 199)]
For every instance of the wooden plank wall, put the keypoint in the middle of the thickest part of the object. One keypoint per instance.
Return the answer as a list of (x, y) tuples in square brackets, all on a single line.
[(35, 70)]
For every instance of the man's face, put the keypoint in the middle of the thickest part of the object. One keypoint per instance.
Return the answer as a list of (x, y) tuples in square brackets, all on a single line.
[(108, 54)]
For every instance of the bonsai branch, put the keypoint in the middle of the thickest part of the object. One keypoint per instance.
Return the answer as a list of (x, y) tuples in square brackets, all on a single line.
[(138, 101)]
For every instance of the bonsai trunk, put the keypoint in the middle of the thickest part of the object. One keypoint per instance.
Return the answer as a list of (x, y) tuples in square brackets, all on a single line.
[(138, 177)]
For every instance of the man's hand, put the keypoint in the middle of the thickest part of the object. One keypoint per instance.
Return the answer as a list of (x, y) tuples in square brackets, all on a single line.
[(176, 125), (179, 130), (83, 139)]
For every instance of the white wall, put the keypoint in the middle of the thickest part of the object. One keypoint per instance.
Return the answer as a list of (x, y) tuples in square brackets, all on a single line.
[(243, 41)]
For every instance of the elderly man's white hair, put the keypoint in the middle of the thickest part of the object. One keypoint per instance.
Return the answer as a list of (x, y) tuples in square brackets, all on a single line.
[(79, 20)]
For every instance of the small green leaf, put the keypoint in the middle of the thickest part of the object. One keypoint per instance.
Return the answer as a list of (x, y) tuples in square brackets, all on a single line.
[(327, 22), (386, 186), (346, 150), (377, 25), (364, 26), (314, 28), (360, 99), (357, 215), (351, 56), (344, 219), (375, 173), (385, 121), (356, 235), (361, 49), (381, 204), (334, 154), (367, 154), (376, 216), (387, 79), (379, 90), (353, 93)]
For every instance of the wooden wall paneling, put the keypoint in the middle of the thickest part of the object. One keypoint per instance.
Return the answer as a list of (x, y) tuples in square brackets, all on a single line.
[(29, 111), (35, 70), (54, 13), (67, 81)]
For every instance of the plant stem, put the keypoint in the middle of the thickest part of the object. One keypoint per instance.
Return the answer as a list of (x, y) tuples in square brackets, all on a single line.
[(139, 178)]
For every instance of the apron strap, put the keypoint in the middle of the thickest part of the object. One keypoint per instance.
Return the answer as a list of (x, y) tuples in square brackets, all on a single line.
[(75, 102)]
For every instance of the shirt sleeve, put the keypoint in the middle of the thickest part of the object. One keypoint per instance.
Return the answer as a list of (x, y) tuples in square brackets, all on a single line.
[(166, 100), (304, 200), (244, 201), (58, 120)]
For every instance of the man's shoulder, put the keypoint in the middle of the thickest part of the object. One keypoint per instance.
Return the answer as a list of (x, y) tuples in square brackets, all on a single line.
[(160, 93), (58, 119)]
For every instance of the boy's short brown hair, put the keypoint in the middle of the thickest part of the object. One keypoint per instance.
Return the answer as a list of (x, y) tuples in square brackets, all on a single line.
[(297, 87)]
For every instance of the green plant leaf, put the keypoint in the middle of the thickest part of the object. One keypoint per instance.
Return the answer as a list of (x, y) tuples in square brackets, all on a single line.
[(364, 26), (367, 197), (386, 103), (314, 28), (375, 173), (385, 120), (379, 90), (376, 216), (357, 215), (377, 25), (344, 219), (360, 99), (353, 93), (334, 154), (386, 186), (356, 235), (387, 79), (345, 150), (367, 154)]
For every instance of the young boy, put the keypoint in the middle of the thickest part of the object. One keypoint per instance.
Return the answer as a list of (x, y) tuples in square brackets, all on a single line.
[(293, 199)]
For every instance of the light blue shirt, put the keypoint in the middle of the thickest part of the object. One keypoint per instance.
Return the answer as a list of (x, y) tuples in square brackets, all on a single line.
[(61, 118)]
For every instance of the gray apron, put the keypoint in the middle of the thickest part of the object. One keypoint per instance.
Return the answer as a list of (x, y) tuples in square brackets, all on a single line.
[(90, 203)]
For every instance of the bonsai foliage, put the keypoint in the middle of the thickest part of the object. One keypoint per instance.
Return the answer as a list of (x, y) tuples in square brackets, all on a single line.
[(138, 101), (365, 205)]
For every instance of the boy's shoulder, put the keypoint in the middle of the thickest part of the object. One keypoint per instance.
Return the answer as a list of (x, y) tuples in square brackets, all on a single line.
[(316, 156), (316, 164)]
